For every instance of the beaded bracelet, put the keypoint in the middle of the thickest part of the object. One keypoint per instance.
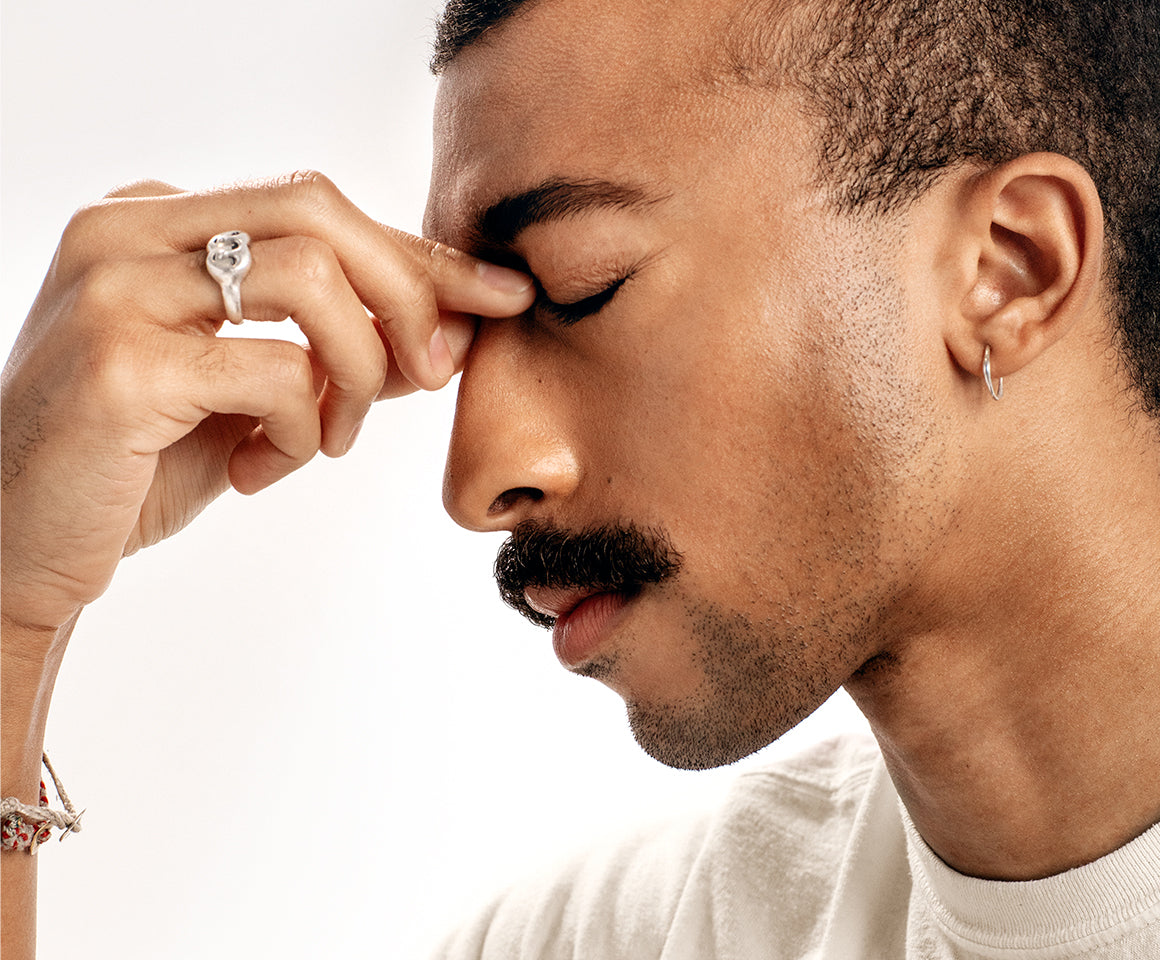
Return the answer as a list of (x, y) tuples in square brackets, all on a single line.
[(24, 827)]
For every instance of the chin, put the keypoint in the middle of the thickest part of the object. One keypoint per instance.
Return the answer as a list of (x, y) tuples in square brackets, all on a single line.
[(687, 739)]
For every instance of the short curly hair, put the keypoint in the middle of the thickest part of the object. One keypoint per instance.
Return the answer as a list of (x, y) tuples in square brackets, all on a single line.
[(908, 89)]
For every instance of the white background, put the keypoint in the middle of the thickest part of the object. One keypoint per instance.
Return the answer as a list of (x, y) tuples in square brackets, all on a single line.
[(306, 726)]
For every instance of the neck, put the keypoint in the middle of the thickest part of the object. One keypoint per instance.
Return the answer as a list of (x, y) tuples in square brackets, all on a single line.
[(1018, 714)]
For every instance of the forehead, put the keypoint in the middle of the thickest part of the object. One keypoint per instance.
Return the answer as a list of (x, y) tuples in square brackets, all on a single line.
[(627, 92)]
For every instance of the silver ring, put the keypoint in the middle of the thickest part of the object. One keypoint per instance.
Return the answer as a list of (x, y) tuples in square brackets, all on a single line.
[(227, 258)]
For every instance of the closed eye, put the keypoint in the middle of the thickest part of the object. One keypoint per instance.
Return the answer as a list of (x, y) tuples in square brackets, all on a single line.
[(567, 314)]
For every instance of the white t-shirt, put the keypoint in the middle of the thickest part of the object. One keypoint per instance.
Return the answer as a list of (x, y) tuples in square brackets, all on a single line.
[(815, 858)]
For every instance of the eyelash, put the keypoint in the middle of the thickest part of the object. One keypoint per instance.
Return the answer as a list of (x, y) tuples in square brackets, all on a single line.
[(567, 314)]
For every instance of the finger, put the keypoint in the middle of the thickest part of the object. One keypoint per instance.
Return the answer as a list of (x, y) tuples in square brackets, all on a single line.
[(311, 205), (402, 279), (466, 284), (197, 466), (142, 188), (297, 277), (300, 277), (449, 281), (270, 380), (458, 328)]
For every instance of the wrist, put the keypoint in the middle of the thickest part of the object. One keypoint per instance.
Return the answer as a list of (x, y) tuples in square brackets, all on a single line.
[(29, 662), (34, 610)]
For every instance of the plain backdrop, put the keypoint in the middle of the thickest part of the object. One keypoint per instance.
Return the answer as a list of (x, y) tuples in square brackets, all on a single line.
[(306, 726)]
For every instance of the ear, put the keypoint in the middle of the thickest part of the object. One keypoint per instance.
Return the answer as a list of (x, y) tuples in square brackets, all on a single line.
[(1027, 252)]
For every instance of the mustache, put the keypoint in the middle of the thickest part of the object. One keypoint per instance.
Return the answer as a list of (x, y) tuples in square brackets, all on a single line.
[(619, 558)]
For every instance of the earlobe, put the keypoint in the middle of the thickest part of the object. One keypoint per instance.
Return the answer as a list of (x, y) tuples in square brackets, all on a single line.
[(1031, 232)]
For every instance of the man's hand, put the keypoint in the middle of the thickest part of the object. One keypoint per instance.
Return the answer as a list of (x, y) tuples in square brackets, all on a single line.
[(123, 413)]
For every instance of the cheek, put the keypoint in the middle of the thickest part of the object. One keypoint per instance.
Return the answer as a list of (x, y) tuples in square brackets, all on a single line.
[(779, 435), (788, 464), (689, 371)]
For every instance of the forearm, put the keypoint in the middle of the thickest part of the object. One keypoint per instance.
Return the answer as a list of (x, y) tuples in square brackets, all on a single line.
[(29, 662)]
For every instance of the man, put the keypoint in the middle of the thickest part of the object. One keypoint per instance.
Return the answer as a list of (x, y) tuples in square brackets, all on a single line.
[(786, 258)]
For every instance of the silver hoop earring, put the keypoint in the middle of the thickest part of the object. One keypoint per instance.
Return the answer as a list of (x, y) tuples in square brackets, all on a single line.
[(995, 394)]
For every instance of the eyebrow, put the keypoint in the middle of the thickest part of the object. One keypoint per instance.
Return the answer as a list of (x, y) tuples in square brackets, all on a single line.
[(553, 199)]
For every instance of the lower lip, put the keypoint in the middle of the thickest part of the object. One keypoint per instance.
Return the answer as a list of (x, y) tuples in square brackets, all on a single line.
[(578, 634)]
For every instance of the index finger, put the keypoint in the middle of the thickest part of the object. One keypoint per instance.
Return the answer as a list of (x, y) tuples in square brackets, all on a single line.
[(402, 279), (449, 282), (466, 284)]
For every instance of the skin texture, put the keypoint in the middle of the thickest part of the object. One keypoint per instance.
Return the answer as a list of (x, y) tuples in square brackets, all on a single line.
[(793, 398), (725, 658), (124, 416), (790, 397)]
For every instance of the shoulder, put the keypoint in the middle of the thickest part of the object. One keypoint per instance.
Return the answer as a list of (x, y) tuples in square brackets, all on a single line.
[(776, 839), (822, 784)]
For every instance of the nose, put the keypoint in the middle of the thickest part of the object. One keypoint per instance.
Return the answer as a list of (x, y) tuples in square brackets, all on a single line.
[(509, 457)]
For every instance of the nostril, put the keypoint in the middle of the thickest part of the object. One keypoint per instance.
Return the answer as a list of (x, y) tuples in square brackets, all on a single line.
[(509, 498)]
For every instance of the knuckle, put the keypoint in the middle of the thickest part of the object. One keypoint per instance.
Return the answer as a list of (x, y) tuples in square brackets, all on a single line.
[(441, 255), (414, 300), (141, 188), (100, 290), (87, 230), (368, 380), (118, 376), (311, 188), (307, 178), (208, 362), (435, 259), (311, 261), (290, 368)]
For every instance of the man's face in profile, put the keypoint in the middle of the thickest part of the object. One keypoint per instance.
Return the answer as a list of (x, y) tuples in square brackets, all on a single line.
[(741, 380)]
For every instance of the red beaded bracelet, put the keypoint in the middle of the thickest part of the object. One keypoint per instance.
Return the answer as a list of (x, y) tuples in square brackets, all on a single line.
[(23, 827)]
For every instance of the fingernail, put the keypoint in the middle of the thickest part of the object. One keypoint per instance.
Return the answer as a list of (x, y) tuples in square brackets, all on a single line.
[(442, 363), (503, 279)]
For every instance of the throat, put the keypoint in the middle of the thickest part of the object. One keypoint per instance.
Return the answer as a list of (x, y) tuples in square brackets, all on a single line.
[(1024, 770)]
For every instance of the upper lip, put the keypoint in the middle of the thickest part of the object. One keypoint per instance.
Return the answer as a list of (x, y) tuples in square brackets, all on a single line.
[(558, 602)]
